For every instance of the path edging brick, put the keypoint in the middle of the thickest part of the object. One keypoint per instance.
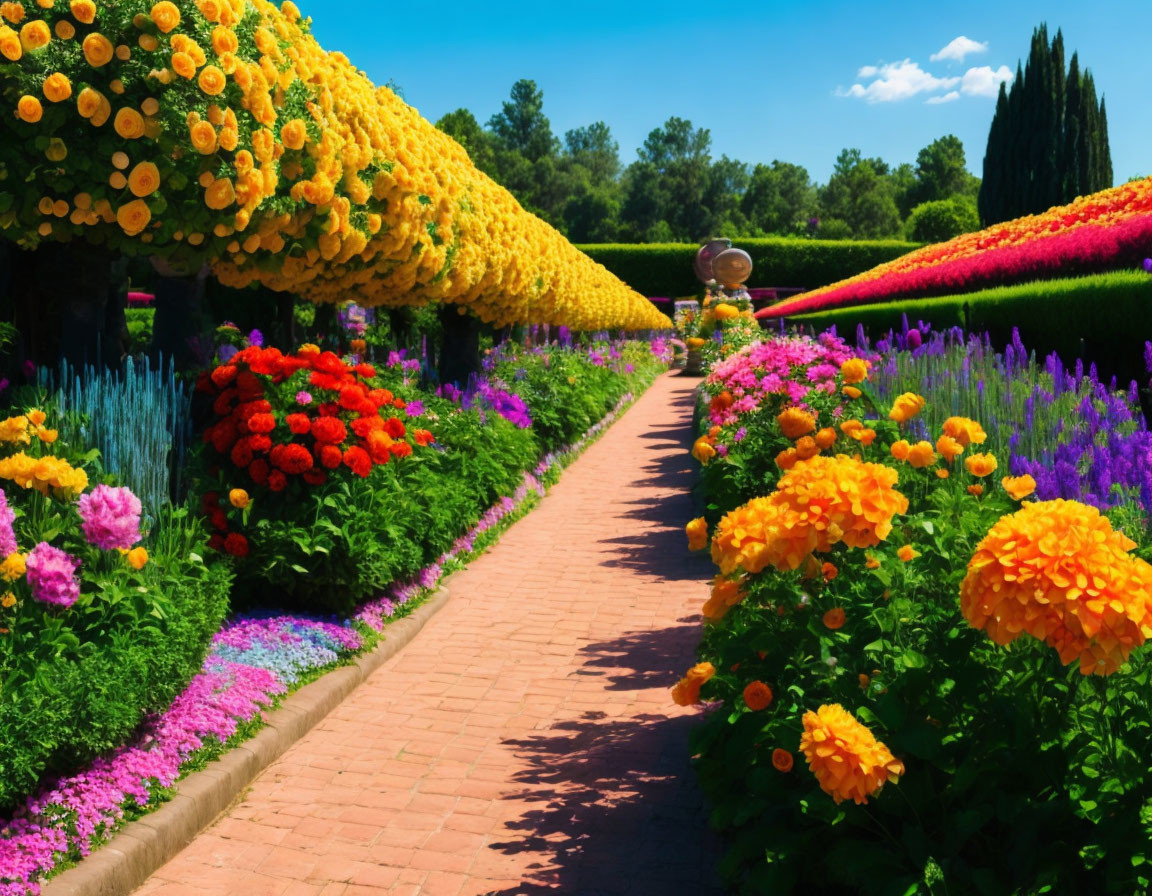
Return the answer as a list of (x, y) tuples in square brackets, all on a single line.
[(142, 847)]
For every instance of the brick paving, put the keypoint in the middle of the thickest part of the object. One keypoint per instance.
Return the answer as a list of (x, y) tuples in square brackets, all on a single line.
[(524, 742)]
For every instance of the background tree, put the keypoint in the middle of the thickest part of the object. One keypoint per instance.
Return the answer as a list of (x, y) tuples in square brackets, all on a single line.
[(861, 194), (1048, 142), (780, 198)]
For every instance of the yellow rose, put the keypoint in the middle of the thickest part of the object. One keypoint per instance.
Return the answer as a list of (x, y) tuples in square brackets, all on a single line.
[(184, 65), (88, 103), (10, 46), (83, 11), (212, 81), (166, 16), (697, 531), (854, 370), (239, 498), (98, 50), (220, 194), (35, 36), (129, 124), (203, 137), (294, 134), (134, 217), (29, 109), (224, 41), (57, 88), (144, 180), (905, 407)]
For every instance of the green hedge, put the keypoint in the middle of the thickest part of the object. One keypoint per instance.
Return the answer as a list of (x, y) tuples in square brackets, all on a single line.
[(1103, 318), (665, 269)]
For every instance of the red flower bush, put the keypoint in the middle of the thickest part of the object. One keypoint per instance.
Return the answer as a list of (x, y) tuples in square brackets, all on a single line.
[(291, 421)]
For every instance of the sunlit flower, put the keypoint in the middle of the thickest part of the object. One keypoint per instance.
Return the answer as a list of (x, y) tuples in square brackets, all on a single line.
[(757, 696), (906, 406), (1018, 487), (687, 690), (846, 758)]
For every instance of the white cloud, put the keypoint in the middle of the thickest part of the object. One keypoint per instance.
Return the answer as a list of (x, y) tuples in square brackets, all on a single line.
[(984, 81), (959, 48), (948, 97), (896, 81)]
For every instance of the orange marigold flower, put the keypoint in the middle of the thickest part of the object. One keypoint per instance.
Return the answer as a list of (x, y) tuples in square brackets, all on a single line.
[(847, 760), (687, 690), (864, 436), (166, 16), (1018, 487), (787, 458), (29, 109), (806, 447), (781, 760), (872, 563), (975, 490), (1057, 571), (851, 391), (850, 426), (725, 595), (907, 553), (900, 449), (981, 464), (906, 406), (826, 438), (757, 696), (829, 571), (818, 503), (796, 422), (965, 431), (855, 370), (697, 534), (949, 448), (835, 618), (942, 474), (35, 35), (144, 180), (83, 11)]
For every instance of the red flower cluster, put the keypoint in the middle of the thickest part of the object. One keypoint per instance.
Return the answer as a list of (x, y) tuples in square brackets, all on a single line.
[(1106, 230), (273, 437)]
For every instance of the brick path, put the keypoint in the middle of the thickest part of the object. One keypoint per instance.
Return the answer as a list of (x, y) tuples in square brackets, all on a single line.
[(524, 742)]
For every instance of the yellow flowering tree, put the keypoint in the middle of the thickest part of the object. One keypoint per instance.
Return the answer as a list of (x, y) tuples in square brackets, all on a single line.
[(219, 131)]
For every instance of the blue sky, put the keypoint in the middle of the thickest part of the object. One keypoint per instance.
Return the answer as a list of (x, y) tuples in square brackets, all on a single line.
[(771, 80)]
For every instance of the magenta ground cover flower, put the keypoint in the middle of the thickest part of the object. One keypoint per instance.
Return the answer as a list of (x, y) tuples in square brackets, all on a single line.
[(52, 575), (110, 517)]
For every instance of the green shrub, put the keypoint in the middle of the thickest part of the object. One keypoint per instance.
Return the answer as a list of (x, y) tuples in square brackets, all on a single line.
[(1105, 317), (139, 322), (665, 269), (935, 222)]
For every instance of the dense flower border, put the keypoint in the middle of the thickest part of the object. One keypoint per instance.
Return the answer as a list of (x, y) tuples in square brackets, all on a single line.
[(1107, 229), (253, 661)]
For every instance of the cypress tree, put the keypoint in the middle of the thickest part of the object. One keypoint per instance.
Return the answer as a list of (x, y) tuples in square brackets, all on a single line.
[(1090, 128), (1104, 150), (1055, 156), (1073, 135), (991, 196)]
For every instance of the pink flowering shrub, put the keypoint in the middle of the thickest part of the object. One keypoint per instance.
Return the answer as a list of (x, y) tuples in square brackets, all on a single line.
[(111, 517), (52, 576)]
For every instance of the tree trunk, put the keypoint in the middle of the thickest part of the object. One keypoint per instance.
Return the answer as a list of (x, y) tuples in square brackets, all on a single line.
[(460, 349)]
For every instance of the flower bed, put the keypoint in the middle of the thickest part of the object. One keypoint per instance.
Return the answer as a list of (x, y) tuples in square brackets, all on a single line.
[(254, 660), (1104, 231), (922, 677)]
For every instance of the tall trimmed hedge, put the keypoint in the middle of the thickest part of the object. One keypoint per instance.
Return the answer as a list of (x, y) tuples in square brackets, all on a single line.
[(1104, 318), (665, 269)]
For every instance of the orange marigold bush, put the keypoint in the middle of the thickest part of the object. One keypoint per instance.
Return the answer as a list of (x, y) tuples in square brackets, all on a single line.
[(1057, 571)]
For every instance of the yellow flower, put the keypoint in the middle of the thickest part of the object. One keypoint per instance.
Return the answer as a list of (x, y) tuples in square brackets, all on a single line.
[(906, 406), (921, 455), (703, 451), (29, 109), (134, 216), (697, 531), (15, 430), (294, 134), (826, 438), (981, 464), (1057, 571), (166, 16), (239, 499), (144, 180), (975, 490), (8, 601), (83, 11), (35, 36), (12, 568), (855, 370), (687, 690), (137, 558), (796, 422), (1018, 487), (907, 553), (949, 448), (846, 758), (98, 50), (900, 449), (852, 392), (965, 431), (12, 11), (129, 124), (10, 46), (47, 436), (726, 593)]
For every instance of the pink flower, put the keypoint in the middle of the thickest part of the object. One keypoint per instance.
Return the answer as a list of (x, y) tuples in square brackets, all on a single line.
[(52, 575), (7, 533), (111, 517)]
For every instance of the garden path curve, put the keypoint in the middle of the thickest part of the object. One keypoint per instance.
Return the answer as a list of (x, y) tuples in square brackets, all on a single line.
[(525, 741)]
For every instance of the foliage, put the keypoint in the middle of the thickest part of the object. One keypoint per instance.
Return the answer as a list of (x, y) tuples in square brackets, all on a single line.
[(1016, 775), (941, 219), (90, 640), (139, 418), (1048, 142), (666, 269), (861, 194), (139, 322)]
